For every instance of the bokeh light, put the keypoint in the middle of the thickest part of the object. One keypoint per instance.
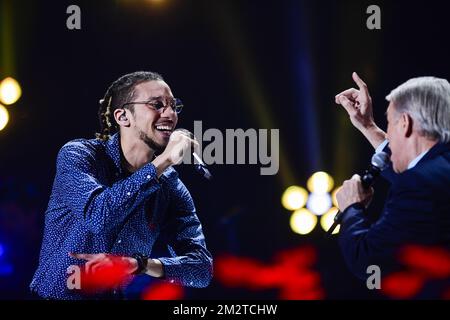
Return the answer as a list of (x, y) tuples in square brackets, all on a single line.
[(4, 117), (294, 198), (320, 182), (319, 203), (333, 197), (10, 91), (327, 220), (303, 221)]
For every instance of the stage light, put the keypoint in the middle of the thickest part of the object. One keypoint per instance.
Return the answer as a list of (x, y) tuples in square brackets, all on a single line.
[(6, 269), (333, 197), (319, 203), (320, 182), (4, 117), (302, 221), (10, 91), (294, 198), (2, 250), (156, 2), (327, 220)]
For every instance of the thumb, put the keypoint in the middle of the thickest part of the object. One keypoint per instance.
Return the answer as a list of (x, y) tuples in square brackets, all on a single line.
[(356, 177), (346, 103)]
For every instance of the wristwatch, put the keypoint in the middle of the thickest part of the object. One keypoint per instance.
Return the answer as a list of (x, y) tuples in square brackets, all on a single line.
[(142, 261)]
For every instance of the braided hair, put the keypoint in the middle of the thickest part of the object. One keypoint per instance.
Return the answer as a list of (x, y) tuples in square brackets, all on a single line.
[(120, 92)]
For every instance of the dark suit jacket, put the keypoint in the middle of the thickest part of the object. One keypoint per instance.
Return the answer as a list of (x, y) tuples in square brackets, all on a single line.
[(417, 211)]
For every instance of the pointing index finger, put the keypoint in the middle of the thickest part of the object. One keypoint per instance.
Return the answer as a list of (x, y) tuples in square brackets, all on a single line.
[(361, 84)]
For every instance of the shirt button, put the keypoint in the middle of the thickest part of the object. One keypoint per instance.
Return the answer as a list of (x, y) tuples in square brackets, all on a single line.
[(128, 193), (119, 241), (148, 176), (191, 283), (172, 281)]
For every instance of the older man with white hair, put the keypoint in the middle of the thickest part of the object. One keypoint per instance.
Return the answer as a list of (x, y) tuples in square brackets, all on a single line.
[(417, 210)]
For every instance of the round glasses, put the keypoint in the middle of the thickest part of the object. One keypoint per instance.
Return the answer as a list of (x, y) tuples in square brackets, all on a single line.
[(160, 105)]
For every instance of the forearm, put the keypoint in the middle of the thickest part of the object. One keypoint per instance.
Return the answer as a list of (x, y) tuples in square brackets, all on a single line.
[(192, 270), (373, 134), (154, 268), (192, 264), (194, 273), (110, 206), (161, 163)]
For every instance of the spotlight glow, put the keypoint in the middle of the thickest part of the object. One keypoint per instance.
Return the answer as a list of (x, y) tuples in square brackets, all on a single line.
[(4, 117), (294, 198), (10, 91), (6, 269), (319, 203), (333, 197), (320, 182), (327, 220), (302, 221)]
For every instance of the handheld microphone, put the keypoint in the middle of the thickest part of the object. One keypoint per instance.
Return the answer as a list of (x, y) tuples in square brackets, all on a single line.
[(200, 166), (378, 163)]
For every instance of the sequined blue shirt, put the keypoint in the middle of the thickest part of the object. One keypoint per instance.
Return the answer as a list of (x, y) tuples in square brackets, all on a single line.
[(97, 207)]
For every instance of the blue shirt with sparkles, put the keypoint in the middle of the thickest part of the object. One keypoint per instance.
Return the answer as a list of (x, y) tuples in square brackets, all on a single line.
[(97, 207)]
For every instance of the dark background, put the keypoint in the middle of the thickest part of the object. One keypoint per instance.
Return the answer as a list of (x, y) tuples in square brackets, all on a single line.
[(235, 64)]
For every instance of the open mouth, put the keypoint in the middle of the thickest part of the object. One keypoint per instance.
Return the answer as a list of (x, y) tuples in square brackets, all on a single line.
[(165, 128)]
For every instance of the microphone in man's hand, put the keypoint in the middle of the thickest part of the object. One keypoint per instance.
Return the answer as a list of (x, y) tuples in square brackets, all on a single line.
[(199, 165), (379, 162)]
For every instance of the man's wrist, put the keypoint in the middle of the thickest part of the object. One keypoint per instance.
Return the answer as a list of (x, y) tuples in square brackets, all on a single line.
[(161, 163), (140, 264), (356, 205), (370, 126), (155, 268), (352, 203), (373, 134)]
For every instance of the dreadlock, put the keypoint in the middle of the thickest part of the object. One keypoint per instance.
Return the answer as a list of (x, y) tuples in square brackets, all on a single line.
[(121, 91)]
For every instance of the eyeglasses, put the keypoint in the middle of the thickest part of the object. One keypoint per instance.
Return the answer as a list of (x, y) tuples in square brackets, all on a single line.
[(159, 105)]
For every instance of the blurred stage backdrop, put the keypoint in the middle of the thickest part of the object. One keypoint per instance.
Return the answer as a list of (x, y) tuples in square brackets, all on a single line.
[(235, 64)]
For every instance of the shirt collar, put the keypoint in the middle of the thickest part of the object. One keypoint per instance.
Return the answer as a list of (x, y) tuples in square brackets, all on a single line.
[(113, 150), (413, 163)]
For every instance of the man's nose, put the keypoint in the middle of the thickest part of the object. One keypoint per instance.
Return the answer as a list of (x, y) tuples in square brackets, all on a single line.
[(168, 112)]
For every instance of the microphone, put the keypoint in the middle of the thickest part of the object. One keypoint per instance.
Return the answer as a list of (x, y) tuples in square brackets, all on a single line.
[(200, 166), (378, 163)]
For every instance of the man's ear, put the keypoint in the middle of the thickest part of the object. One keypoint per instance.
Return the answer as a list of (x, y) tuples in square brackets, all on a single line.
[(120, 115), (407, 124)]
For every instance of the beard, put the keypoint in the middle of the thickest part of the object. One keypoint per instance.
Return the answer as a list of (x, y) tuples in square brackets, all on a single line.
[(151, 143)]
